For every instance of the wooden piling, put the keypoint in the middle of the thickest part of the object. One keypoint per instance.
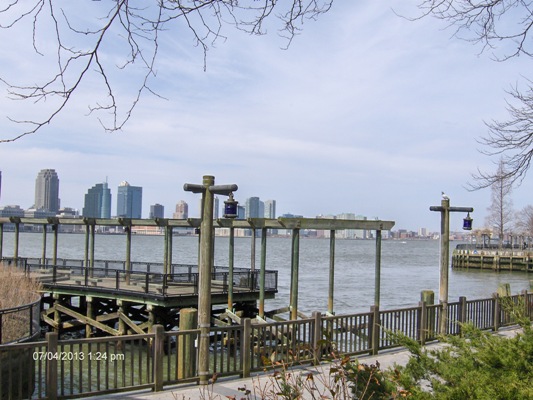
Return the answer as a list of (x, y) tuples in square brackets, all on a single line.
[(331, 289), (262, 273), (295, 264)]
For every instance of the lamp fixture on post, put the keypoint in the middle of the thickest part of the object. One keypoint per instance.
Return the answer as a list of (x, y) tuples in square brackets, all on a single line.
[(467, 223), (230, 207)]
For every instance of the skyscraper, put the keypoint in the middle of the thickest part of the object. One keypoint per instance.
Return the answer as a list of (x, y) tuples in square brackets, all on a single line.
[(157, 211), (182, 210), (47, 191), (98, 202), (255, 208), (129, 200), (270, 209)]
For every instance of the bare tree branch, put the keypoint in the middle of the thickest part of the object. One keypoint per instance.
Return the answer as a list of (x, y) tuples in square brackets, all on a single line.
[(498, 25), (80, 49)]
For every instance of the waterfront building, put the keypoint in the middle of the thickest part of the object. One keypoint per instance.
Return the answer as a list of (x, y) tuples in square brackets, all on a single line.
[(11, 211), (157, 211), (182, 210), (98, 202), (129, 200), (47, 191)]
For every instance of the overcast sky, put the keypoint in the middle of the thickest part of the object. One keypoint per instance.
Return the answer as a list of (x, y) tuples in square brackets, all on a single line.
[(366, 112)]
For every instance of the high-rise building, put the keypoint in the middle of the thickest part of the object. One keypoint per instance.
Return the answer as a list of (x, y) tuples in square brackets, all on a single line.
[(270, 209), (216, 207), (47, 191), (255, 208), (157, 211), (129, 200), (182, 210), (98, 202)]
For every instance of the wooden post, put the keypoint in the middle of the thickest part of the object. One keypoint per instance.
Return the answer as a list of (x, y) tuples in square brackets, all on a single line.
[(169, 257), (317, 337), (93, 234), (428, 298), (86, 250), (422, 322), (51, 366), (295, 264), (1, 240), (374, 330), (461, 317), (496, 312), (444, 263), (331, 290), (43, 254), (262, 273), (204, 284), (246, 345), (377, 278), (128, 253), (252, 250), (231, 262), (165, 252), (186, 349), (55, 228), (504, 289), (17, 233), (90, 315), (158, 356)]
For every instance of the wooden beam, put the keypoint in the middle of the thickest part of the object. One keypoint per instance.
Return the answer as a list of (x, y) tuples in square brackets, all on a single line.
[(86, 320), (130, 323)]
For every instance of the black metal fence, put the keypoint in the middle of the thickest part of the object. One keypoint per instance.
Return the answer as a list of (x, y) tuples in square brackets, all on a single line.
[(82, 367)]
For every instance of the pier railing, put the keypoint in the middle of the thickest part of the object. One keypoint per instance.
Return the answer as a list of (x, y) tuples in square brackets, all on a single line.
[(76, 367), (143, 277)]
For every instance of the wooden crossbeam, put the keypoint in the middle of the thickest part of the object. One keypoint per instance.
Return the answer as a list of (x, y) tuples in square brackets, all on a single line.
[(130, 323), (86, 320)]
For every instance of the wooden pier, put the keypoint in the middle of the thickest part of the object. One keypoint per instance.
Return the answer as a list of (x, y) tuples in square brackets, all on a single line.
[(493, 258), (92, 295)]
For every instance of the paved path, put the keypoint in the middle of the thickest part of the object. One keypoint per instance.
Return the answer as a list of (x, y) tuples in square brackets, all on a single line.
[(230, 387)]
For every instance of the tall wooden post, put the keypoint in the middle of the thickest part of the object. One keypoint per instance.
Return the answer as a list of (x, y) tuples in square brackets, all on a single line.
[(295, 264), (445, 210), (377, 278), (55, 228), (205, 266), (169, 251), (91, 254), (128, 253), (262, 273), (43, 253), (231, 263), (86, 250), (331, 292), (204, 280)]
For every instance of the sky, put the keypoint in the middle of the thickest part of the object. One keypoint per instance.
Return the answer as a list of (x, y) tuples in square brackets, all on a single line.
[(366, 112)]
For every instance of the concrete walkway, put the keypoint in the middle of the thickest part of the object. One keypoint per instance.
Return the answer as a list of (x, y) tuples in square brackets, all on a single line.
[(260, 383)]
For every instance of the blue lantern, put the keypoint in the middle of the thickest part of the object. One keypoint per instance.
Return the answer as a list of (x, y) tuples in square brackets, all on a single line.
[(467, 223), (230, 207)]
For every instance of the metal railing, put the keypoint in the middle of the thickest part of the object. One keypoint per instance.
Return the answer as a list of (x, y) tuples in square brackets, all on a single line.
[(82, 367)]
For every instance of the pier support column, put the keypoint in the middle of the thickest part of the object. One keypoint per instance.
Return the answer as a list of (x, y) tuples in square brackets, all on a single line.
[(1, 240), (231, 262), (331, 290), (169, 251), (17, 234), (262, 273), (252, 250), (91, 254), (295, 264), (57, 314), (43, 253), (55, 229), (377, 278)]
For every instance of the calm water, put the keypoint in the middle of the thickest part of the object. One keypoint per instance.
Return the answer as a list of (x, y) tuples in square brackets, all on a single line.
[(407, 267)]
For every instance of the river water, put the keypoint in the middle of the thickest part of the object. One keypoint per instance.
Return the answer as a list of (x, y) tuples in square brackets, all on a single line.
[(407, 267)]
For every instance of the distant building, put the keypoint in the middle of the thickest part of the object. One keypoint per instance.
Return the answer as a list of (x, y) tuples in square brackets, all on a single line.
[(129, 200), (98, 202), (241, 212), (47, 191), (0, 184), (157, 211), (216, 207), (254, 208), (270, 209), (11, 211), (182, 210)]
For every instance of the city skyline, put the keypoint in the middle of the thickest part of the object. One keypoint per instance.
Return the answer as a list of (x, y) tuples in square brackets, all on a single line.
[(98, 204)]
